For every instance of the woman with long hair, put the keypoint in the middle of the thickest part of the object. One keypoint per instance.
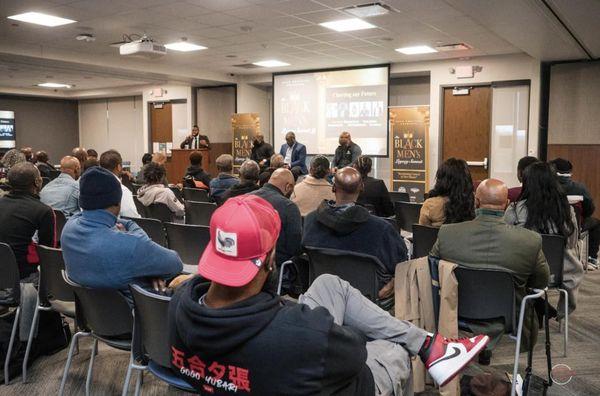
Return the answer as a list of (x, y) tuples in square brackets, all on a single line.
[(375, 195), (543, 207), (452, 199)]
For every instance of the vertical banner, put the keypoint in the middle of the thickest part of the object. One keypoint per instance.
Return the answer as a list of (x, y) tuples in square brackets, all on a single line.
[(409, 130), (245, 126), (7, 129)]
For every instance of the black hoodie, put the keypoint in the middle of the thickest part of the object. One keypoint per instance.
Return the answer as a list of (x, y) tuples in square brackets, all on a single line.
[(195, 172), (262, 346)]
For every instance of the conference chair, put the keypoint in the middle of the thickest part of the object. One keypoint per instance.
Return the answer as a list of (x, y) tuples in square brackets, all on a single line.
[(152, 227), (141, 208), (362, 271), (199, 213), (187, 240), (160, 211), (45, 180), (423, 239), (54, 294), (399, 196), (553, 247), (407, 214), (178, 193), (490, 293), (53, 174), (136, 187), (150, 352), (10, 297), (106, 316), (195, 194), (61, 220)]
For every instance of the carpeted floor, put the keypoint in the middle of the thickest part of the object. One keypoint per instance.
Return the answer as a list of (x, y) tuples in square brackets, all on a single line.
[(109, 370)]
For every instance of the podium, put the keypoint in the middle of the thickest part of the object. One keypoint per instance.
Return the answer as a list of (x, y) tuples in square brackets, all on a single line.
[(180, 161)]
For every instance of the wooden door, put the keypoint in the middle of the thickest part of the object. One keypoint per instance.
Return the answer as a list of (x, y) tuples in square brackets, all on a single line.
[(161, 123), (466, 133)]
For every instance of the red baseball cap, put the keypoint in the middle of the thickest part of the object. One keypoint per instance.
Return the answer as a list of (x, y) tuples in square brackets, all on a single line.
[(242, 232)]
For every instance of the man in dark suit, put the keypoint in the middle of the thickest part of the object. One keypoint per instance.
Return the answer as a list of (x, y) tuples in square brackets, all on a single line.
[(195, 140), (294, 155)]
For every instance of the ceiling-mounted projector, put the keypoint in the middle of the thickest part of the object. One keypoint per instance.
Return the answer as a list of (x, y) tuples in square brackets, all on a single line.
[(143, 47)]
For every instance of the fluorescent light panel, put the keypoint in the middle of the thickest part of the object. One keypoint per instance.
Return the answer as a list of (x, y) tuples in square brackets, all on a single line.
[(418, 49), (271, 63), (54, 85), (184, 46), (347, 25), (41, 19)]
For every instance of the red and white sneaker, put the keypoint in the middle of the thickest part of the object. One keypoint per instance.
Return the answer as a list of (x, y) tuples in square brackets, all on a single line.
[(446, 357)]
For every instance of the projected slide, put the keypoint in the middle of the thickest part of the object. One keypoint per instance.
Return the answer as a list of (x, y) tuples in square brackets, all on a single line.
[(319, 106)]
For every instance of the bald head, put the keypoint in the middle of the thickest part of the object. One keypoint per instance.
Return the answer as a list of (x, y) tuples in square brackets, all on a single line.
[(491, 194), (71, 166), (283, 179), (347, 184)]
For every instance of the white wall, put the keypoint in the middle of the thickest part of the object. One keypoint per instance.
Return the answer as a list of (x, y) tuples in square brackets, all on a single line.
[(256, 99)]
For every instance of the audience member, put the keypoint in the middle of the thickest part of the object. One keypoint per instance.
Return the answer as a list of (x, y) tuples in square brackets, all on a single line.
[(346, 153), (112, 161), (238, 329), (564, 170), (62, 193), (154, 191), (91, 153), (89, 163), (261, 151), (514, 192), (43, 164), (294, 155), (81, 154), (102, 251), (275, 162), (146, 159), (248, 173), (451, 200), (544, 208), (195, 177), (277, 192), (346, 226), (28, 153), (488, 242), (12, 157), (225, 179), (22, 215), (374, 192), (310, 192)]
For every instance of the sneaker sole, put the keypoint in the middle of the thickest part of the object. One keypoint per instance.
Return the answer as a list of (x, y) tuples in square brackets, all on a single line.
[(469, 358)]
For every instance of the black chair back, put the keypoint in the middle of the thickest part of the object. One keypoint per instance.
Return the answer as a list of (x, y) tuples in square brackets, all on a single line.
[(45, 180), (142, 210), (360, 270), (399, 196), (486, 294), (61, 220), (199, 213), (160, 211), (188, 240), (10, 288), (424, 238), (53, 174), (152, 227), (553, 247), (407, 214), (105, 312), (178, 193), (151, 327), (52, 285), (195, 194), (136, 186)]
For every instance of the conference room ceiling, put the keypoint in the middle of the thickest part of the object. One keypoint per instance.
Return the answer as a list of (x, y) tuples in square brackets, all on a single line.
[(244, 31)]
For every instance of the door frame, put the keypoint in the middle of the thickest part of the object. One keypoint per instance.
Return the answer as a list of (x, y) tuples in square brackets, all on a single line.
[(150, 106)]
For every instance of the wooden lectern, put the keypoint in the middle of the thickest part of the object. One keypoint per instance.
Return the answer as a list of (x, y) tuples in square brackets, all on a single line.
[(180, 161)]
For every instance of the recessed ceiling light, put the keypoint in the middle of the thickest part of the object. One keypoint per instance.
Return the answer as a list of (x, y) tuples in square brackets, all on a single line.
[(270, 63), (347, 25), (184, 46), (54, 85), (418, 49), (41, 19)]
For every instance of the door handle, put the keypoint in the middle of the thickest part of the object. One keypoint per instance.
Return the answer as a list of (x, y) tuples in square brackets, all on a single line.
[(483, 163)]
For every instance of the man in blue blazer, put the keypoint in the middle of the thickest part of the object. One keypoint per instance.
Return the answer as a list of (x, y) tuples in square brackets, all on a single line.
[(294, 155)]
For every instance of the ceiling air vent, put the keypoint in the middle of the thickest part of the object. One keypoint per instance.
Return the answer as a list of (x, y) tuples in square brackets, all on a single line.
[(453, 47), (247, 66)]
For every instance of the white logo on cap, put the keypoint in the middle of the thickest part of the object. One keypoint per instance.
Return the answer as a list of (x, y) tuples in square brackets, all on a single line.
[(226, 242)]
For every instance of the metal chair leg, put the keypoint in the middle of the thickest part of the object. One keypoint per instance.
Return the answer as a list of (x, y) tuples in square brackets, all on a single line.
[(34, 324), (74, 341), (13, 333), (139, 382), (127, 377), (566, 330), (88, 379)]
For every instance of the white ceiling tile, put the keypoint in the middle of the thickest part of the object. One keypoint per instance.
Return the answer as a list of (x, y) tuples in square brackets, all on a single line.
[(308, 30), (298, 41), (220, 5), (216, 19), (254, 12), (215, 33), (294, 7), (324, 16)]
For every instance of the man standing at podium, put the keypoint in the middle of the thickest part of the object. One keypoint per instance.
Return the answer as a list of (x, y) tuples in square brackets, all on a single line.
[(195, 140)]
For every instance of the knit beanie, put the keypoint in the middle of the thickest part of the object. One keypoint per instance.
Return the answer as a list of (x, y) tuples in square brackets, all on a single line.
[(99, 189)]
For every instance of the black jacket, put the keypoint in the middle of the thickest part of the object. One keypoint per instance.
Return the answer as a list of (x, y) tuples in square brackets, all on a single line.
[(263, 346), (189, 143), (261, 152), (45, 169), (571, 187), (289, 243), (195, 172), (346, 156), (21, 215), (375, 193), (239, 189)]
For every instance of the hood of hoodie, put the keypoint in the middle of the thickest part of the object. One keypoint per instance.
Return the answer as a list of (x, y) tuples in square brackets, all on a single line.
[(194, 170), (219, 332), (147, 194), (340, 220)]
